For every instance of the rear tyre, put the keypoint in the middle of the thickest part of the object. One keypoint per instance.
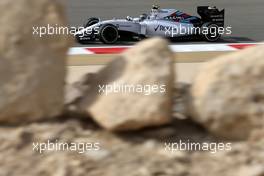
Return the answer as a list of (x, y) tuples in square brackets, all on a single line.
[(91, 21), (108, 34), (211, 32)]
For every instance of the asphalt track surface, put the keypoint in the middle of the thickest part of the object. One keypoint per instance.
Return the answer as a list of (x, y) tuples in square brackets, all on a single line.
[(244, 16)]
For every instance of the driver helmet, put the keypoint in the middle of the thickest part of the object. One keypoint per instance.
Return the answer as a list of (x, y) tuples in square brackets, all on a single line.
[(155, 9)]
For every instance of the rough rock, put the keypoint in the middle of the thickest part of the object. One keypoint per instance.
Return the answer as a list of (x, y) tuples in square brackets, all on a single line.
[(75, 92), (181, 100), (132, 103), (140, 153), (228, 94), (32, 68), (244, 159)]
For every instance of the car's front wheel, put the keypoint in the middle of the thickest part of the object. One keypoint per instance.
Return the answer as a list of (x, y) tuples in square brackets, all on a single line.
[(108, 34), (91, 21)]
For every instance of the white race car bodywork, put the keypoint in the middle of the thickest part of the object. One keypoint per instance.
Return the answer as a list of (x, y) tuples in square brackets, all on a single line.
[(168, 23)]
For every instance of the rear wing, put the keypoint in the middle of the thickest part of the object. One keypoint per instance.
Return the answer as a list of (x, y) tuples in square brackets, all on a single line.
[(212, 14)]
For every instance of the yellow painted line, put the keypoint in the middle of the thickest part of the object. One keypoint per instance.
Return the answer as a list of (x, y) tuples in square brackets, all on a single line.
[(184, 57)]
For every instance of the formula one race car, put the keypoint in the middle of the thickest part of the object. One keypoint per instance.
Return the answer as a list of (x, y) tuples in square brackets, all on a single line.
[(169, 23)]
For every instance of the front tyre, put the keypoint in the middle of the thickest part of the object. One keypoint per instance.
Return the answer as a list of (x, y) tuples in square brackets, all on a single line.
[(108, 34), (91, 21), (211, 32)]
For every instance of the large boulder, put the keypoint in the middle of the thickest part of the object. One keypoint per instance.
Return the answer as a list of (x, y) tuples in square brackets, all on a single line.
[(228, 94), (32, 68), (135, 90)]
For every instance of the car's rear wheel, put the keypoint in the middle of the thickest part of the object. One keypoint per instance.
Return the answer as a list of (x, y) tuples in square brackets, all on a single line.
[(212, 32), (91, 21), (109, 34)]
